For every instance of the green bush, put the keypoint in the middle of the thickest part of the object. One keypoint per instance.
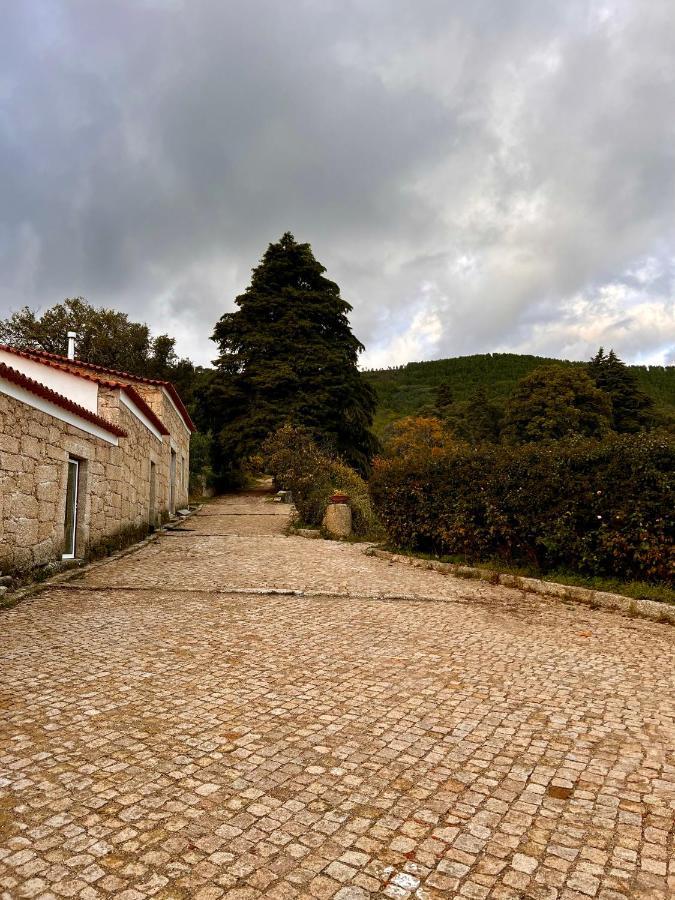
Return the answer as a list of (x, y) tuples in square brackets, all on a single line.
[(202, 479), (599, 508), (298, 465)]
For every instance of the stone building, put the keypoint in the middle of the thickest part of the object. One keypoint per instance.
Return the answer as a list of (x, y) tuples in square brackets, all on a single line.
[(90, 458)]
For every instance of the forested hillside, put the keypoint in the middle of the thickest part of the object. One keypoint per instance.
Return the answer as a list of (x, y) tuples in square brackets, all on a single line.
[(411, 389)]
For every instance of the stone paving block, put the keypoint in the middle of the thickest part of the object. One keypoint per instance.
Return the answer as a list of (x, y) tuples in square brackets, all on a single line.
[(167, 732)]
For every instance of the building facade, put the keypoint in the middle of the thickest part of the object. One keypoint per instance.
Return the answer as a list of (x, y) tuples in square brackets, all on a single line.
[(90, 459)]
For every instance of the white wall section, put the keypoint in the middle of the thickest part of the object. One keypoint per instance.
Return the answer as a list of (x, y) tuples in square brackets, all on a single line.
[(64, 415), (77, 389)]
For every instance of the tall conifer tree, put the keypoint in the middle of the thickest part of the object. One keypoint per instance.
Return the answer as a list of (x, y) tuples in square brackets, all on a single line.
[(288, 355), (632, 409)]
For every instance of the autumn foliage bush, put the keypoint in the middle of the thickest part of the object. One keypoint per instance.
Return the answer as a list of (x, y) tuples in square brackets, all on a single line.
[(602, 508), (312, 474)]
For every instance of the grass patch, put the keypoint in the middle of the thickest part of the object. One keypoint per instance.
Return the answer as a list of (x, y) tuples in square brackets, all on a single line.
[(8, 602), (637, 590)]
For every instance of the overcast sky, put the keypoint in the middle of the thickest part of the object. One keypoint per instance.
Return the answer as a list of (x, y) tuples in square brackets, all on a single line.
[(477, 176)]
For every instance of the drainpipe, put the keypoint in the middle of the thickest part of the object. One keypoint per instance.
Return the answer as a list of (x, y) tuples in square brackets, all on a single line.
[(72, 335)]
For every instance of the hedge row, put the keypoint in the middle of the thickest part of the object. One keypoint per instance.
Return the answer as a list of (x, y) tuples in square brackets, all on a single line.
[(598, 508)]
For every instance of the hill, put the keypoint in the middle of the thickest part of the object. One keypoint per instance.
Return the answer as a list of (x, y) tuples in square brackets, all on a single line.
[(410, 390)]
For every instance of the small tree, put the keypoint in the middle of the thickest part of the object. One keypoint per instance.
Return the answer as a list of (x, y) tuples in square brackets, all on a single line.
[(553, 402), (288, 355), (444, 399), (416, 434), (632, 409), (478, 420)]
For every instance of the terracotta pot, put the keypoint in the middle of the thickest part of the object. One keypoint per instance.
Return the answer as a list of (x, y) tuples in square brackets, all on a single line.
[(339, 497)]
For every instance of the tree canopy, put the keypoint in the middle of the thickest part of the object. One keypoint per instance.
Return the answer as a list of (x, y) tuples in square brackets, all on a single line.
[(413, 389), (105, 337), (553, 402), (288, 355)]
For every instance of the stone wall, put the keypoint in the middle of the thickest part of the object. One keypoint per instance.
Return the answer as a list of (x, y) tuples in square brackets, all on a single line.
[(114, 496), (158, 400)]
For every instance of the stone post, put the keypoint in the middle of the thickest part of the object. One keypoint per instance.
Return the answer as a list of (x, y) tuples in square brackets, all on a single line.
[(338, 518)]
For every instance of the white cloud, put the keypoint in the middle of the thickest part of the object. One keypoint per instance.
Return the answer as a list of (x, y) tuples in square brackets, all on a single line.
[(418, 341), (625, 315), (476, 176)]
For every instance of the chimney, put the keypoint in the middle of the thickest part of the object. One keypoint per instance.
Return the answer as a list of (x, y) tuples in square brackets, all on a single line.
[(72, 335)]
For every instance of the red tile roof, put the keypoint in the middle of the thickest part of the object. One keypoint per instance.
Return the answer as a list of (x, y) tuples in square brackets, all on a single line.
[(29, 384), (72, 365)]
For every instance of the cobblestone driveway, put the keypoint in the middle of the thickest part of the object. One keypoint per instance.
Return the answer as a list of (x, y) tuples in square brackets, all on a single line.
[(167, 732)]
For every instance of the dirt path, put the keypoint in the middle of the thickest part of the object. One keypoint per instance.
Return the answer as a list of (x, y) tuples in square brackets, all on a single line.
[(170, 730)]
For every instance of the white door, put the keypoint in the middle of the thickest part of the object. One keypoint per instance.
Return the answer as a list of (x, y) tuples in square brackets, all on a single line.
[(172, 484), (153, 490), (70, 524)]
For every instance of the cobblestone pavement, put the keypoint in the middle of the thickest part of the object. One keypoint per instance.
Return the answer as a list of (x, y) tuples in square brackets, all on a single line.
[(165, 732)]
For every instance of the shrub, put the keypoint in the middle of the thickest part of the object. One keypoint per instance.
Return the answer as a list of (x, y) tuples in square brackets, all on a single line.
[(298, 465), (600, 508), (202, 479)]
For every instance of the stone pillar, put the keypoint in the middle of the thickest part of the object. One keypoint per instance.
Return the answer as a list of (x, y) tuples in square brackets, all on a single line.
[(338, 520)]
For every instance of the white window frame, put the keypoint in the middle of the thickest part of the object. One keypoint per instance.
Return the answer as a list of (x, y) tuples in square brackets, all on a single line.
[(76, 501)]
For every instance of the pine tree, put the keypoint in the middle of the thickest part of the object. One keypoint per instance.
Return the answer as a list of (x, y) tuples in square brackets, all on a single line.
[(632, 409), (444, 399), (288, 355), (479, 419)]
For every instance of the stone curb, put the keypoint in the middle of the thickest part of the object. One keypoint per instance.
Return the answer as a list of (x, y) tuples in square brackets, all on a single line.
[(11, 598), (312, 533), (646, 609)]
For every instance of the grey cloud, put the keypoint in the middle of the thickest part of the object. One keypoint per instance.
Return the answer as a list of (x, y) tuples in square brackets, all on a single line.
[(476, 176)]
